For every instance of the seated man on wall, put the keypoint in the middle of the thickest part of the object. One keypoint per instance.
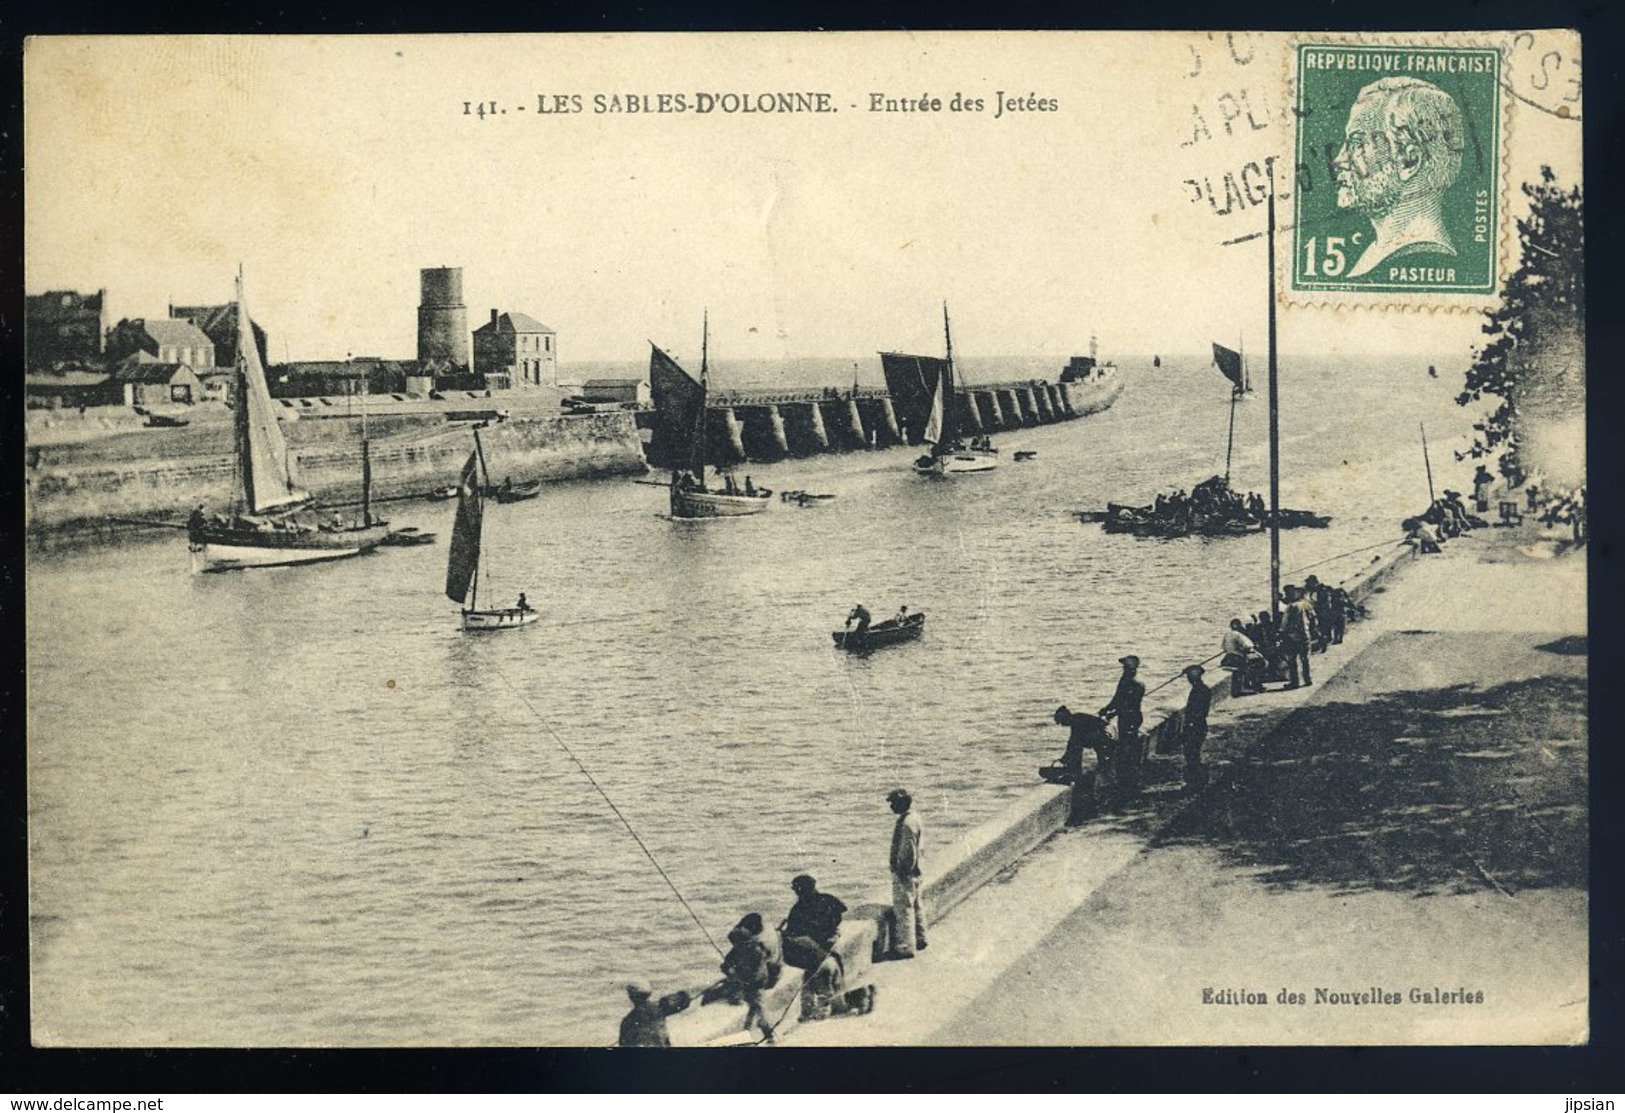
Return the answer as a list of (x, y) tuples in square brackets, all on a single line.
[(809, 932)]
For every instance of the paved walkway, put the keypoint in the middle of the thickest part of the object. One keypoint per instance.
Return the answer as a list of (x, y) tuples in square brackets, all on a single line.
[(1414, 821)]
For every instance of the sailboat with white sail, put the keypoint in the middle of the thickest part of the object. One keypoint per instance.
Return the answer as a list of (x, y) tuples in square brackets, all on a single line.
[(692, 496), (263, 527), (463, 560), (949, 454)]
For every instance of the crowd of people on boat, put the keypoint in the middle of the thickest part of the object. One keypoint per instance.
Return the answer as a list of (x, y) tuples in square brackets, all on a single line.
[(200, 521), (1213, 496), (687, 481), (807, 939), (1212, 502)]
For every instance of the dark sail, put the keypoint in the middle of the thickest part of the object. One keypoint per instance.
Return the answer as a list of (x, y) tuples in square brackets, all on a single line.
[(912, 382), (463, 562), (1229, 364), (679, 403)]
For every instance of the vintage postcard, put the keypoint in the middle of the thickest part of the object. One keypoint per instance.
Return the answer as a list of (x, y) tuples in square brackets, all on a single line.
[(894, 539)]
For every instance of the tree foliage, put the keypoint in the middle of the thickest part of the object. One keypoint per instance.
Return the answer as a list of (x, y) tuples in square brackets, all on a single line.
[(1543, 302)]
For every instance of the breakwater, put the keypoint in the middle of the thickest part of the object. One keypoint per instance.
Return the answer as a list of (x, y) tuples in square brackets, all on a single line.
[(161, 473), (980, 855), (769, 425)]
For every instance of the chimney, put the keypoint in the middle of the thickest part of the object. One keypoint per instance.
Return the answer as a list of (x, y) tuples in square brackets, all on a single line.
[(493, 318)]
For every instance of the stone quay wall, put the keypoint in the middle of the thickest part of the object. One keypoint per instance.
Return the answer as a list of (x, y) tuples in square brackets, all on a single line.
[(163, 473)]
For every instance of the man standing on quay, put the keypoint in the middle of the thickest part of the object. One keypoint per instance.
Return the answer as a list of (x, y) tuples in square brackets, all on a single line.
[(1123, 774), (908, 931), (1193, 726), (1297, 634)]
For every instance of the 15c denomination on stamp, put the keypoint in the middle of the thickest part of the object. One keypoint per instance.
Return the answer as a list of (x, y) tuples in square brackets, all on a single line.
[(1408, 139)]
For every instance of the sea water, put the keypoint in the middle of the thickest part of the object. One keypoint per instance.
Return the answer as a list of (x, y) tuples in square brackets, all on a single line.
[(301, 807)]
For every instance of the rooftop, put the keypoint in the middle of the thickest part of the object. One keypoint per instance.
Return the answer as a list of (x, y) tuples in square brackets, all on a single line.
[(514, 322)]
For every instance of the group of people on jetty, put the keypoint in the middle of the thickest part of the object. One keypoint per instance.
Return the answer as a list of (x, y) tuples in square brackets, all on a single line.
[(1445, 518), (806, 939), (1269, 648)]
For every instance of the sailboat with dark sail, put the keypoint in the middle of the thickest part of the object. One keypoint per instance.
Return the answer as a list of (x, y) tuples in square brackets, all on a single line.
[(949, 454), (463, 560), (263, 527), (693, 497)]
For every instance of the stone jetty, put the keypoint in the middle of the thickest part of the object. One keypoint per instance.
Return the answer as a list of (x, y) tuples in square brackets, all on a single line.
[(769, 425)]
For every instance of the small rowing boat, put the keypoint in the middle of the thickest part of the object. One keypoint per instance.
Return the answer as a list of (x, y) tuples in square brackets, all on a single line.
[(516, 492), (407, 536), (889, 632)]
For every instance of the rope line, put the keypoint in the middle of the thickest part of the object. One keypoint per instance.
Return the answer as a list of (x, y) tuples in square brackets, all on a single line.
[(647, 853)]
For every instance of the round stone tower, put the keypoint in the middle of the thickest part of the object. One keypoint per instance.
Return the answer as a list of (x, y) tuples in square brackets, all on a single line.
[(442, 316)]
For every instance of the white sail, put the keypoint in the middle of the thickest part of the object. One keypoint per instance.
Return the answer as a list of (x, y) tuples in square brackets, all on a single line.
[(933, 425), (267, 470)]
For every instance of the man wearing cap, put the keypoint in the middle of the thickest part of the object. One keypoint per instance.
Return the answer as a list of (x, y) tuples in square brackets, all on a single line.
[(1242, 658), (1319, 598), (860, 615), (808, 933), (1085, 732), (645, 1025), (1297, 632), (1193, 727), (908, 927), (1120, 764)]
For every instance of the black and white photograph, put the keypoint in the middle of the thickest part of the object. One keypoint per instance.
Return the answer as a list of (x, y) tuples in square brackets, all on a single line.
[(771, 540)]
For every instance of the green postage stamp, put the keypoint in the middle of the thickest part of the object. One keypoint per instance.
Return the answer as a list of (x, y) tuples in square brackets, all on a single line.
[(1399, 164)]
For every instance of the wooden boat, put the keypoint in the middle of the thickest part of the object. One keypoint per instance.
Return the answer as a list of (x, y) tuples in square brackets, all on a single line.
[(263, 527), (691, 497), (407, 536), (927, 377), (449, 491), (166, 421), (1302, 519), (463, 557), (1026, 455), (516, 492), (889, 632)]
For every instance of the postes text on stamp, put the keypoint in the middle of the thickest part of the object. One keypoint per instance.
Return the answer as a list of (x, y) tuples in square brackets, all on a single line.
[(1409, 140)]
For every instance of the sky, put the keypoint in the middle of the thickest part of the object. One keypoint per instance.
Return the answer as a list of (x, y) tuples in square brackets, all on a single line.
[(334, 168)]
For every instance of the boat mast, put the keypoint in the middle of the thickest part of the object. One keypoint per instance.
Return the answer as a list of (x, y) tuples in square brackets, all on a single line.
[(366, 460), (1275, 412), (696, 452), (1231, 442), (1427, 463), (242, 480), (479, 494), (950, 428)]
